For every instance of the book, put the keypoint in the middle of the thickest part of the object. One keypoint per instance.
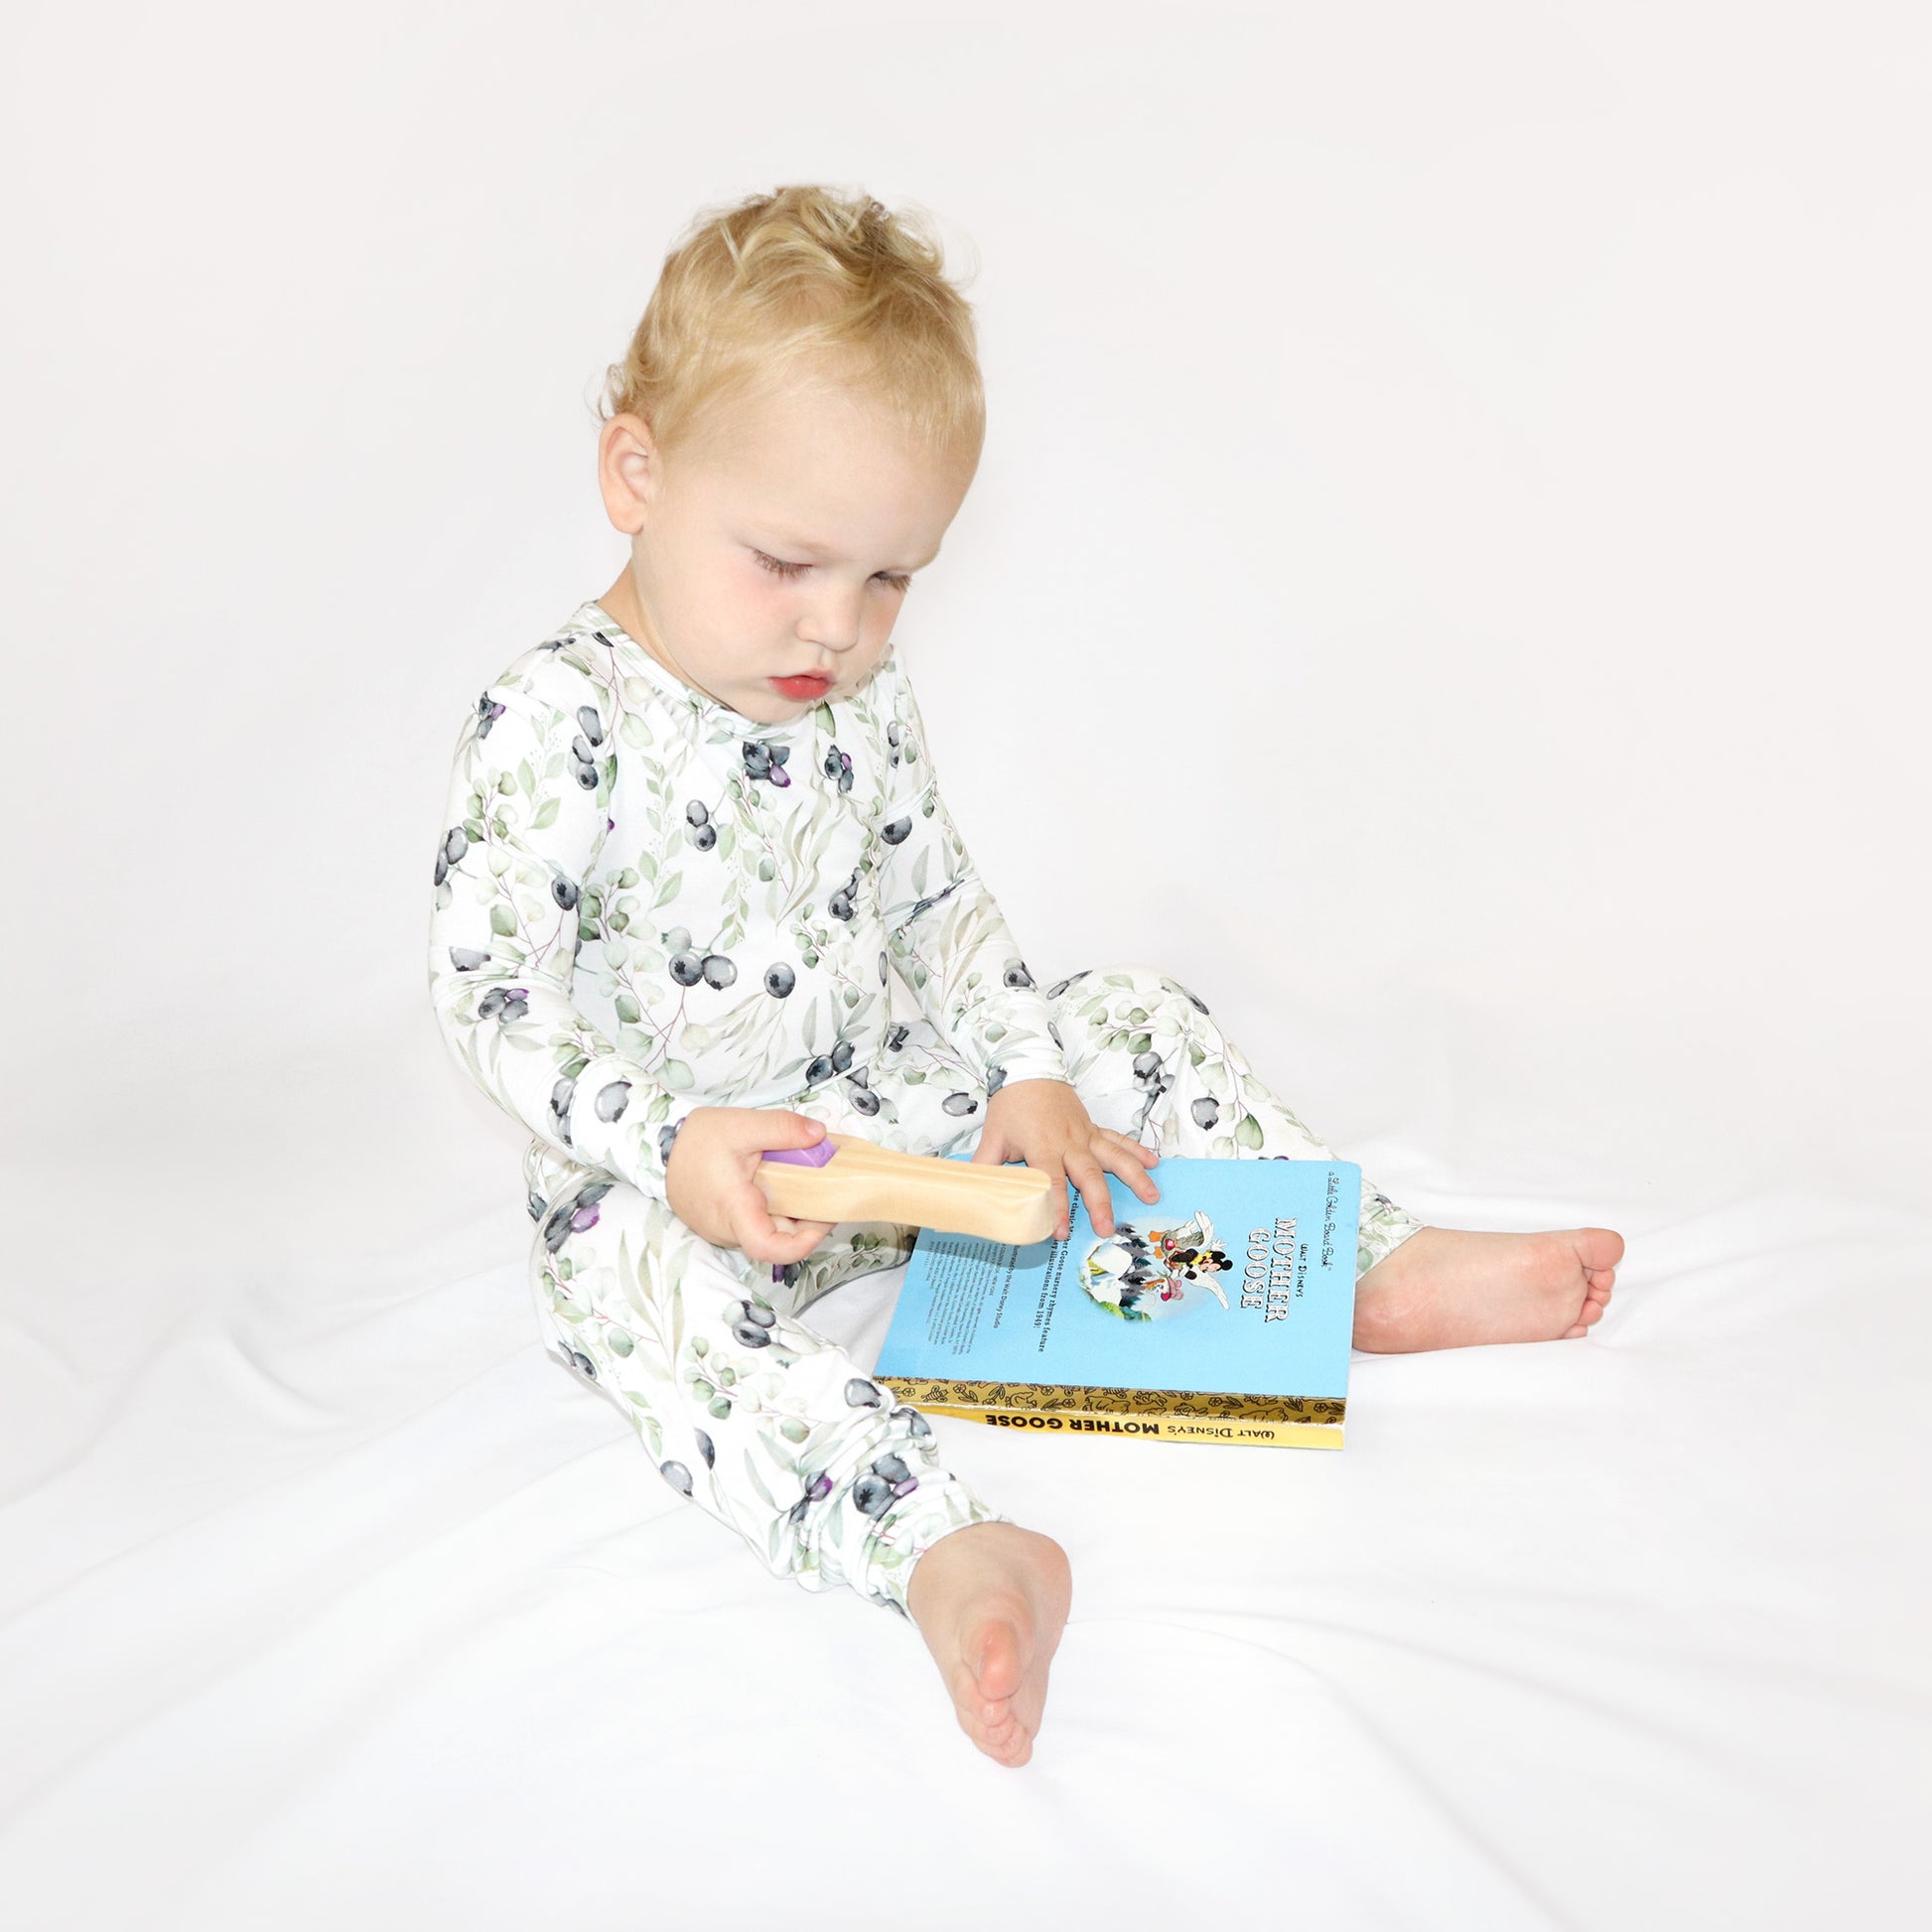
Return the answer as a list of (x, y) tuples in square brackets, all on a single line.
[(1222, 1313)]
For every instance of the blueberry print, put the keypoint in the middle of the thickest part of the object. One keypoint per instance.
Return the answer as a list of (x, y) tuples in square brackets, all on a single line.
[(767, 762), (639, 913), (560, 1098)]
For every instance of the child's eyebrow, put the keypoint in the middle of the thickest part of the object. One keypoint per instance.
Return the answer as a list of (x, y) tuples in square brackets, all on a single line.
[(795, 544)]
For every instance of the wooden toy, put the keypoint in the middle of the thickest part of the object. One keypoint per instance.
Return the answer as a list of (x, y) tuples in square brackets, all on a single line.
[(847, 1178)]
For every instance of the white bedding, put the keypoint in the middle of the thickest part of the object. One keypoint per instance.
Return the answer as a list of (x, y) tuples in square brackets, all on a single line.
[(330, 1599)]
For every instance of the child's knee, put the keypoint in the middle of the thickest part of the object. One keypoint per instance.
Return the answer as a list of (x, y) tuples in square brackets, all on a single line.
[(1130, 986)]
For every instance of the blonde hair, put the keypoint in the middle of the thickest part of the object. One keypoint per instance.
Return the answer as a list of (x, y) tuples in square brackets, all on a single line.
[(808, 285)]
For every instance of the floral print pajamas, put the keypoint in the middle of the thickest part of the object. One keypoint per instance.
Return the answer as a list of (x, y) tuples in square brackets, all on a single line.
[(648, 903)]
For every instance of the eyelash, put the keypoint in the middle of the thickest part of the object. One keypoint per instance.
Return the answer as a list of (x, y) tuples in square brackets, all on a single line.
[(894, 580)]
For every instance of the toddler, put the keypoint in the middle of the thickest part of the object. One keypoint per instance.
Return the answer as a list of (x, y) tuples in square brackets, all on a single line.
[(698, 895)]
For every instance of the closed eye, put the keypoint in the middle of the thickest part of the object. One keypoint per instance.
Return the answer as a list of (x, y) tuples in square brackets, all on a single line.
[(896, 580)]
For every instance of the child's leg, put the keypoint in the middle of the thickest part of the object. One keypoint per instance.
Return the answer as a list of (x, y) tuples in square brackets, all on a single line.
[(764, 1423), (773, 1430), (1150, 1060)]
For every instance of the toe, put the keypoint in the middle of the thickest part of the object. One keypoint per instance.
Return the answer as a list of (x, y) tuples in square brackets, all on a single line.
[(1601, 1247)]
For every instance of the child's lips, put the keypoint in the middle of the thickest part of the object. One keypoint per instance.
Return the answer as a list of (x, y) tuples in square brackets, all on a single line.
[(803, 683)]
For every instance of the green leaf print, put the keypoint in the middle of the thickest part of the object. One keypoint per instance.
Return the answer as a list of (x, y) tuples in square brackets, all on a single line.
[(546, 814), (1247, 1131), (502, 920), (667, 890), (676, 1076)]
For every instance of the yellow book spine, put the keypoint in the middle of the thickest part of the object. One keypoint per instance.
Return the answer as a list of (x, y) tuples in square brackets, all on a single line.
[(1247, 1422)]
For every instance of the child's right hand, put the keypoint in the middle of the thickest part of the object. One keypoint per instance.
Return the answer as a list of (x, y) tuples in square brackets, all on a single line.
[(708, 1179)]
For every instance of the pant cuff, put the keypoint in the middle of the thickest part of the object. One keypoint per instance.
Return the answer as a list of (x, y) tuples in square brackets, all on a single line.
[(942, 1503), (1384, 1227)]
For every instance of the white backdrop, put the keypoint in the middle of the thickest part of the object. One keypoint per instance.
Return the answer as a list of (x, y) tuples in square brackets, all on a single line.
[(1446, 580)]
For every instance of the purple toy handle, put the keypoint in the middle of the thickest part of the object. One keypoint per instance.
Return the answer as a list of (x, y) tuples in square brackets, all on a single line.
[(805, 1157)]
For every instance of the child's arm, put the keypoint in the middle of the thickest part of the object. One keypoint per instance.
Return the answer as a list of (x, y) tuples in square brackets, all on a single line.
[(947, 937), (520, 832)]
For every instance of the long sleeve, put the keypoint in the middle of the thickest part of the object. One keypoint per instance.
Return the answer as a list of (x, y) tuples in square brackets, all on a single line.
[(947, 935), (525, 820)]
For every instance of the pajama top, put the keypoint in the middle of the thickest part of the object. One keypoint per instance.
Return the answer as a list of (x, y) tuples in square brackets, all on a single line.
[(648, 903)]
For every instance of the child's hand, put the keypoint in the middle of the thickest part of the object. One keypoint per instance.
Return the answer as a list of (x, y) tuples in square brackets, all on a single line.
[(708, 1179), (1044, 1123)]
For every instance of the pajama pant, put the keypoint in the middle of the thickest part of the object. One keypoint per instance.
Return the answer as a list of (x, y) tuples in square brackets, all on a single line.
[(764, 1424)]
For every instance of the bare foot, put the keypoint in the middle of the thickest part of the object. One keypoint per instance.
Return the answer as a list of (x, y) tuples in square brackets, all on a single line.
[(1446, 1288), (991, 1601)]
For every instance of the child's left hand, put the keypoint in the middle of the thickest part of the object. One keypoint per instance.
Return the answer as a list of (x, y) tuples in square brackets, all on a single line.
[(1046, 1124)]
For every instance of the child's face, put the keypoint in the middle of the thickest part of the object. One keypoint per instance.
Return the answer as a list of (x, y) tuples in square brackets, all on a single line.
[(782, 546)]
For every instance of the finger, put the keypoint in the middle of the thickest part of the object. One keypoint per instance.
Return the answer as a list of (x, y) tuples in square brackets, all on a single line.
[(1057, 1178), (809, 1232), (779, 1127), (759, 1233), (1126, 1143), (992, 1147), (752, 1226), (1087, 1174), (1138, 1178)]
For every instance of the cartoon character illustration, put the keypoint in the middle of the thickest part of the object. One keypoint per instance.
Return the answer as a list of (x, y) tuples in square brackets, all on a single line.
[(1139, 1275)]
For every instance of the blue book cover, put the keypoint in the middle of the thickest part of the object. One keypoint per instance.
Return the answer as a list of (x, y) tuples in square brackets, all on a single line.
[(1221, 1312)]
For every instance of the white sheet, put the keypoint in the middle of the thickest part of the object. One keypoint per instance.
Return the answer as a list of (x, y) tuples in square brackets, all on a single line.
[(330, 1599)]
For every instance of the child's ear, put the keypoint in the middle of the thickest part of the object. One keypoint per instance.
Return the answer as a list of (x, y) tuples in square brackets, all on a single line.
[(628, 467)]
